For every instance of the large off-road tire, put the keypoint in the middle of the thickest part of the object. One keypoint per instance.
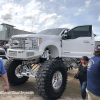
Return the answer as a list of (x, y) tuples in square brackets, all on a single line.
[(10, 67), (51, 71)]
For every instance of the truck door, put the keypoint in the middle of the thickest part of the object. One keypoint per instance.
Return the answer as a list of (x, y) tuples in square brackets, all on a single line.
[(79, 42)]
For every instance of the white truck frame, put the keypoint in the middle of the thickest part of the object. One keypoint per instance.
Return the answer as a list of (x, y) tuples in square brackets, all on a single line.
[(41, 56)]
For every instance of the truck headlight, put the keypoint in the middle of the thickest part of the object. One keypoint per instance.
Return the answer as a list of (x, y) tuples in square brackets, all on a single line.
[(32, 43), (39, 42)]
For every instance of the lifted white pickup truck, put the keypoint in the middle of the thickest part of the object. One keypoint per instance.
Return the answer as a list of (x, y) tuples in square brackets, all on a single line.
[(41, 56)]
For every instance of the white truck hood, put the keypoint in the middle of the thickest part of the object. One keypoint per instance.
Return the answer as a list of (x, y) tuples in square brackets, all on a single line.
[(35, 35)]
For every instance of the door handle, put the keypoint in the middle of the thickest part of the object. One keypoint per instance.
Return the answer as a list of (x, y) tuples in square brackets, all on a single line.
[(85, 41)]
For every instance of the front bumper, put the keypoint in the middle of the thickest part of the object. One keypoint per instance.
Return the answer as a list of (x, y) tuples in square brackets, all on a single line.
[(24, 54)]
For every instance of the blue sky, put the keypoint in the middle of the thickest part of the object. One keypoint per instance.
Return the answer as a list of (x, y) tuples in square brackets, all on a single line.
[(36, 15)]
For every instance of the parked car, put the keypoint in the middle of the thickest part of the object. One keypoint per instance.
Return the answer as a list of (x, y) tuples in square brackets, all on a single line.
[(3, 55)]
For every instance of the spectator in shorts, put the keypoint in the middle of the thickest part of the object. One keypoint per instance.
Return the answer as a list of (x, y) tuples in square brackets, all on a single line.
[(4, 76), (82, 76), (93, 76)]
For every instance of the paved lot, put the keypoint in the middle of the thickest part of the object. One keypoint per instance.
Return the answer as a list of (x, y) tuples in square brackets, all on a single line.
[(72, 91)]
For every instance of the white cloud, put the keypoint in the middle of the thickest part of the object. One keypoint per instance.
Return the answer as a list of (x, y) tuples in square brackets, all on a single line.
[(67, 26), (44, 17), (19, 26), (80, 10), (32, 6), (25, 13), (63, 8), (25, 28), (28, 22), (24, 17), (99, 18), (76, 14), (6, 17), (96, 33), (52, 0), (11, 0), (97, 3), (49, 23), (30, 15), (97, 38), (87, 3), (18, 15), (35, 28), (11, 11), (50, 20)]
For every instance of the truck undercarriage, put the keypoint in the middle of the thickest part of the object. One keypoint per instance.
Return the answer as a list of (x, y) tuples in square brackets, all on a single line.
[(19, 71)]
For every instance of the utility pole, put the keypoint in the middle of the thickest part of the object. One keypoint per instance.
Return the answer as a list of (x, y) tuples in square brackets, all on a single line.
[(32, 23)]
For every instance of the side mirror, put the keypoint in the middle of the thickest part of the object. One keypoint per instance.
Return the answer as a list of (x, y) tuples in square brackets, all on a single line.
[(64, 37), (95, 35)]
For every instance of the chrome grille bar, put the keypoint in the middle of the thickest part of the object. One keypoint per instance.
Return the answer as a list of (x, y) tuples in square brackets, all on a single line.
[(17, 43)]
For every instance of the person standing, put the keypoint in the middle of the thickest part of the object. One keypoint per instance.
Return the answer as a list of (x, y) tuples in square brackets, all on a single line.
[(93, 76), (82, 76), (4, 76)]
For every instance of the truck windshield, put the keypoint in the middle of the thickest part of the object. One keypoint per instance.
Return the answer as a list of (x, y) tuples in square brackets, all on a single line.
[(55, 31)]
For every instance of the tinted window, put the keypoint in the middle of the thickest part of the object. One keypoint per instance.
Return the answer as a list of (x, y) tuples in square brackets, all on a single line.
[(83, 31), (70, 35)]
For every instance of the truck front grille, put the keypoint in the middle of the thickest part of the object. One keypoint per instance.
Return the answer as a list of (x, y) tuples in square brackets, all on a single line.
[(17, 43), (13, 53), (30, 54)]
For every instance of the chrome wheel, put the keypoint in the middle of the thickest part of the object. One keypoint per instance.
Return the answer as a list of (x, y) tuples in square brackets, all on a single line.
[(17, 72), (57, 80), (46, 55)]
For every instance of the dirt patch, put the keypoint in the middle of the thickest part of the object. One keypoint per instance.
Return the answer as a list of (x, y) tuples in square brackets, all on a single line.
[(73, 86), (72, 91)]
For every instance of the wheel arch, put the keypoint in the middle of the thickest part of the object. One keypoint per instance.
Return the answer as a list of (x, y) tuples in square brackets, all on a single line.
[(53, 50)]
